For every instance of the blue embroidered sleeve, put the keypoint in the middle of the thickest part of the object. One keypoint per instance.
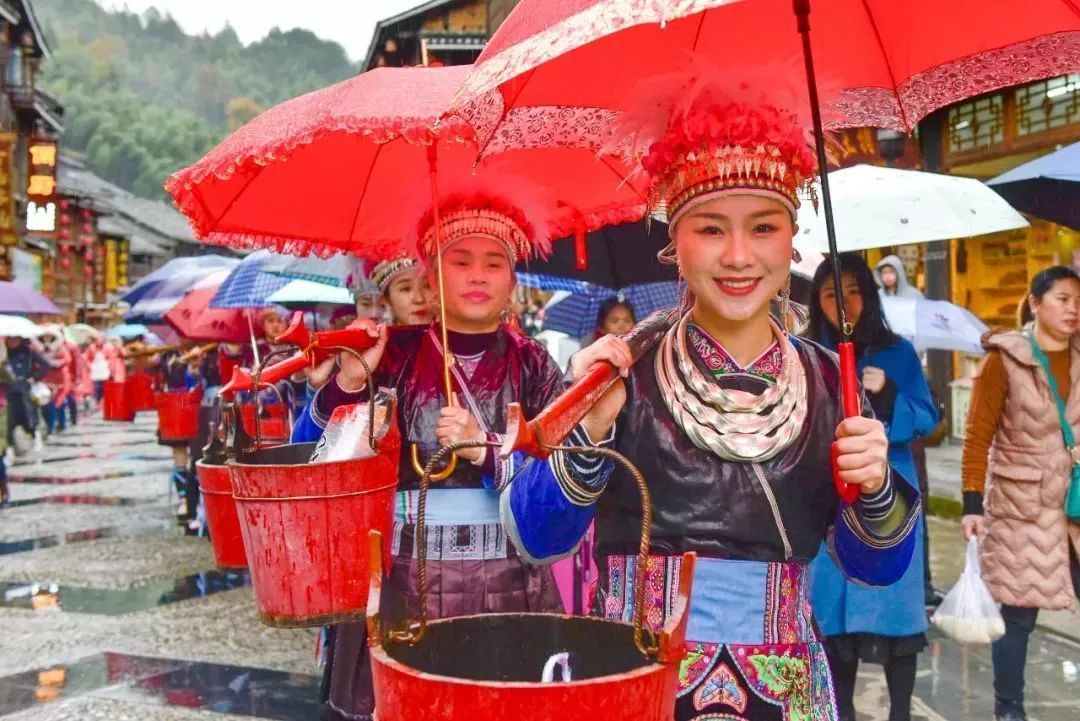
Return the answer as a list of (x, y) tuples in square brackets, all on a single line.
[(307, 428), (860, 551), (548, 505)]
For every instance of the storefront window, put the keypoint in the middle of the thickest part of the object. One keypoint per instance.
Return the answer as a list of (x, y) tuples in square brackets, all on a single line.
[(1048, 104), (976, 124)]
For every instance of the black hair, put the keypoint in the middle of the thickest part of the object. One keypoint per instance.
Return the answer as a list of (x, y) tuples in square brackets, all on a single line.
[(1045, 279), (609, 305), (872, 332)]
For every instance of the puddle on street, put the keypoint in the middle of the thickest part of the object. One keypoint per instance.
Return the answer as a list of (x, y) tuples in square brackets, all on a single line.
[(47, 597), (215, 687), (136, 529)]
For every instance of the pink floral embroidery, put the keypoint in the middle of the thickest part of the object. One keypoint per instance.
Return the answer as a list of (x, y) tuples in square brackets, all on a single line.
[(767, 366)]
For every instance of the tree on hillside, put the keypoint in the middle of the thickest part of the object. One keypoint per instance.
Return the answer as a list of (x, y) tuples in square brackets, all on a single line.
[(142, 98)]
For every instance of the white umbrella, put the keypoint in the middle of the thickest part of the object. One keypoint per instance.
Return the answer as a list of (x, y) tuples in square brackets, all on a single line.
[(935, 324), (306, 292), (877, 207), (18, 327)]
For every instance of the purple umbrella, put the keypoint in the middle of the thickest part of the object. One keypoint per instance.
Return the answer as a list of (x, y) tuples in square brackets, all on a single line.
[(17, 298)]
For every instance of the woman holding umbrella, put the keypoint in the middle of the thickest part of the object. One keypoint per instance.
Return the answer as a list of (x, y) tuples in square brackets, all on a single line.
[(878, 625), (480, 236), (731, 420)]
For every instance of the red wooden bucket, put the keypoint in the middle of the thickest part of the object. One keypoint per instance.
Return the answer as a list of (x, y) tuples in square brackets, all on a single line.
[(618, 671), (178, 414), (225, 534), (273, 425), (140, 388), (115, 404), (506, 655), (305, 527)]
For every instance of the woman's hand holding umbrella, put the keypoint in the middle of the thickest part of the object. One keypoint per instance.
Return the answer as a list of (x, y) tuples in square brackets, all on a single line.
[(862, 453), (455, 425)]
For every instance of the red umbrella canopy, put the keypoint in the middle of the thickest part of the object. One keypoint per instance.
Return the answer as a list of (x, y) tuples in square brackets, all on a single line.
[(347, 168), (194, 319), (879, 63)]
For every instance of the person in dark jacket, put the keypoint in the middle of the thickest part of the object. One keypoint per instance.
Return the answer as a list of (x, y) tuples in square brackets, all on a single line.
[(27, 366)]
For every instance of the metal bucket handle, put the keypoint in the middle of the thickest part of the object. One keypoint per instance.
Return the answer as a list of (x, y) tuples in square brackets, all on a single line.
[(258, 385), (414, 631), (370, 387)]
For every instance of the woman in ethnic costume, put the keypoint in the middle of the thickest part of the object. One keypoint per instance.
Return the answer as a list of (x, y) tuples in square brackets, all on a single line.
[(471, 565), (731, 421)]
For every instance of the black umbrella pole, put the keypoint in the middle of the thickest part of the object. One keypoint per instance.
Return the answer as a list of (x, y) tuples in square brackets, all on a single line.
[(849, 389)]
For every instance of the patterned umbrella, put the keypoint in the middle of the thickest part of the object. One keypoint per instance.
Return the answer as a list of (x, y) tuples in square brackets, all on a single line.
[(576, 314), (247, 286), (334, 270)]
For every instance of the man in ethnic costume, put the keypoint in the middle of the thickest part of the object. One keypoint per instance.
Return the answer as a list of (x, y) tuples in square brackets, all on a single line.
[(731, 421), (471, 565)]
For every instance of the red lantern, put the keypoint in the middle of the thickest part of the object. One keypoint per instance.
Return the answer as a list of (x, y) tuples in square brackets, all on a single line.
[(87, 214), (65, 219), (88, 228), (88, 256), (65, 248), (65, 262), (87, 240), (65, 204), (88, 271)]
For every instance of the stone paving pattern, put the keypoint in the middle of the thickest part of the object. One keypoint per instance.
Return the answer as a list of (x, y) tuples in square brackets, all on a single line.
[(209, 658)]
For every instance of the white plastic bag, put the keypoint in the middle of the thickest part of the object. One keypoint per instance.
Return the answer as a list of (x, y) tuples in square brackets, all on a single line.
[(969, 614), (346, 434)]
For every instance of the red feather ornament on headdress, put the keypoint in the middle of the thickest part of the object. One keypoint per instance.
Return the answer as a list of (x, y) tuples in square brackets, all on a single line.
[(692, 135)]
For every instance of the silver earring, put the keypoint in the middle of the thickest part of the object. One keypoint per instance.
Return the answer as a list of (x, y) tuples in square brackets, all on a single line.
[(796, 255)]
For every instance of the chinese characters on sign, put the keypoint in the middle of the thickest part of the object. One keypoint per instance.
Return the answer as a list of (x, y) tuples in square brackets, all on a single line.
[(7, 195), (41, 186), (116, 263)]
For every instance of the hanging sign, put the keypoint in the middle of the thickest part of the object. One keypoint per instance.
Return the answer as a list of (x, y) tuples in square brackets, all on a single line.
[(41, 186), (8, 237)]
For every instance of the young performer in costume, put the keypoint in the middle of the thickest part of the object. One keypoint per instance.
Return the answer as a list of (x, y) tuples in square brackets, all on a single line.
[(396, 290), (405, 290), (472, 566), (731, 421)]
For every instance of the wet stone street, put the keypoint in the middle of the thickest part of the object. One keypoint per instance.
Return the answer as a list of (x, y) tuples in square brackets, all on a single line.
[(109, 612)]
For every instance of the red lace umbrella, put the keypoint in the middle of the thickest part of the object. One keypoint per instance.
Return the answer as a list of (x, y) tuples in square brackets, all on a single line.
[(347, 168), (881, 64)]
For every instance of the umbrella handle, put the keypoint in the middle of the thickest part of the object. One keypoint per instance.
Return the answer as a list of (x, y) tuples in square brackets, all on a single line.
[(849, 397)]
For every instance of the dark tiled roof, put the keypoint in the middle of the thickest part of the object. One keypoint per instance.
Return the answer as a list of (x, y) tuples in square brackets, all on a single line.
[(156, 216)]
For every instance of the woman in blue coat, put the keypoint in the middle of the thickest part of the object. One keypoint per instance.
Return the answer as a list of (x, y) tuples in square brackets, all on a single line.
[(878, 625)]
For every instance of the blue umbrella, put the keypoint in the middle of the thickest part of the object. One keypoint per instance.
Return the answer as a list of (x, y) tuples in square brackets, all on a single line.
[(577, 313), (1047, 187), (194, 268), (247, 286)]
